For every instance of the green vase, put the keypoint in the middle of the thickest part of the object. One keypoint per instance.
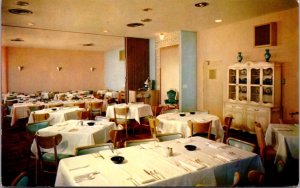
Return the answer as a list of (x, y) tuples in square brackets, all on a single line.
[(239, 57), (267, 55)]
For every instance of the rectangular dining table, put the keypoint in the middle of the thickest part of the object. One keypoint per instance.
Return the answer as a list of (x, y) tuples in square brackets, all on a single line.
[(136, 110), (211, 164), (58, 114), (285, 140), (74, 134), (173, 122)]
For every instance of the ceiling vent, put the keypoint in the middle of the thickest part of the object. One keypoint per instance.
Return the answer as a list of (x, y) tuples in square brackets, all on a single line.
[(134, 24), (89, 44), (17, 40), (20, 11)]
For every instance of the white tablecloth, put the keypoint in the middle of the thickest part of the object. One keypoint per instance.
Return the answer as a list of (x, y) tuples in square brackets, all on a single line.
[(285, 140), (60, 115), (136, 111), (75, 135), (218, 162), (20, 110), (173, 122)]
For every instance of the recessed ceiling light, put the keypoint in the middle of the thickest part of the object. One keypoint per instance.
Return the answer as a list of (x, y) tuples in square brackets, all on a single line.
[(105, 31), (88, 44), (218, 20), (202, 4), (20, 11), (30, 23), (22, 3), (17, 40), (135, 24), (146, 20), (147, 9)]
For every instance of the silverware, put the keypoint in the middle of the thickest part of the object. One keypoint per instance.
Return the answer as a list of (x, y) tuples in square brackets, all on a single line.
[(157, 172), (80, 167), (133, 181), (88, 176), (151, 174)]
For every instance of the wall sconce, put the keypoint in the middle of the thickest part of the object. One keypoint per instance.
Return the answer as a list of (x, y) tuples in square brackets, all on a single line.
[(92, 69), (58, 68), (20, 68), (161, 36)]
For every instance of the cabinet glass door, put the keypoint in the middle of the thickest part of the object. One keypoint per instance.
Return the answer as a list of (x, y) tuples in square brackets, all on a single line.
[(267, 94), (255, 92), (232, 92), (268, 76), (255, 75), (243, 76), (243, 93), (232, 76)]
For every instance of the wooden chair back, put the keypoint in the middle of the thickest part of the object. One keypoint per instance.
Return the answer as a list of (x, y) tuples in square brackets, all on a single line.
[(83, 114), (153, 123), (123, 111), (55, 105), (80, 104), (22, 180), (227, 124), (256, 178), (96, 105), (116, 136), (48, 142), (200, 127), (40, 117), (260, 139)]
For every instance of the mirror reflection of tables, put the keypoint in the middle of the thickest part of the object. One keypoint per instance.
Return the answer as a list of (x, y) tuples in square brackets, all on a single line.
[(173, 122)]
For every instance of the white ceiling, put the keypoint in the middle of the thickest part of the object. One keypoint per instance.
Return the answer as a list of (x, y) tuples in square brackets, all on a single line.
[(67, 24)]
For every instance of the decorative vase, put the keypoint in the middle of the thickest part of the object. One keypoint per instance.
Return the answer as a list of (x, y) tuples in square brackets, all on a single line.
[(239, 57), (267, 55)]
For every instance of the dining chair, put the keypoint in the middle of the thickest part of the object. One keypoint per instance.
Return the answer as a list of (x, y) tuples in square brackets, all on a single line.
[(171, 100), (122, 111), (255, 178), (83, 150), (267, 153), (83, 114), (49, 161), (247, 146), (129, 143), (96, 109), (236, 178), (22, 180), (40, 117), (80, 104), (226, 127), (168, 136), (202, 129), (34, 108), (55, 105), (153, 123), (116, 136)]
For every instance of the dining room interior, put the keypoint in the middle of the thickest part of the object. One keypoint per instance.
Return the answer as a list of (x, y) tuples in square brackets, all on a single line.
[(150, 93)]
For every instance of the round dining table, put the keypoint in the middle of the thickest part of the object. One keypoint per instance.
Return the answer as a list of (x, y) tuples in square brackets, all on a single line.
[(175, 122)]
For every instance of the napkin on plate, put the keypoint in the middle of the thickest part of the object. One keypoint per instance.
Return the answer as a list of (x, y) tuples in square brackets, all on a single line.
[(142, 177), (192, 165), (227, 157)]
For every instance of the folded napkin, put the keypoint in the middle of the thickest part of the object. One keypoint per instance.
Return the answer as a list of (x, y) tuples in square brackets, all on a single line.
[(192, 165), (184, 140), (216, 145), (143, 178), (227, 157)]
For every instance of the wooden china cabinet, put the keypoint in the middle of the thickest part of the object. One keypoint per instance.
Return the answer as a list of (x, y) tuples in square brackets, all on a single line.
[(253, 94)]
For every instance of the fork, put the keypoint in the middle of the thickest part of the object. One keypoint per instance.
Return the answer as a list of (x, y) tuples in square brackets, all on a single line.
[(179, 165), (158, 173), (133, 181)]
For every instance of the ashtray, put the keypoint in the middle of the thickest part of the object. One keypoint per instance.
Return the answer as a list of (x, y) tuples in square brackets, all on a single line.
[(192, 112), (182, 114), (91, 123), (190, 147), (53, 109), (117, 159)]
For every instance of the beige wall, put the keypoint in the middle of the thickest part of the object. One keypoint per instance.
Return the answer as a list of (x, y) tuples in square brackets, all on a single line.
[(40, 72), (222, 44)]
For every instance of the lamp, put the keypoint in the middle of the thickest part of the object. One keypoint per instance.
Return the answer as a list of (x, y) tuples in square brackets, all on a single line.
[(161, 36), (58, 68), (92, 69), (20, 68)]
